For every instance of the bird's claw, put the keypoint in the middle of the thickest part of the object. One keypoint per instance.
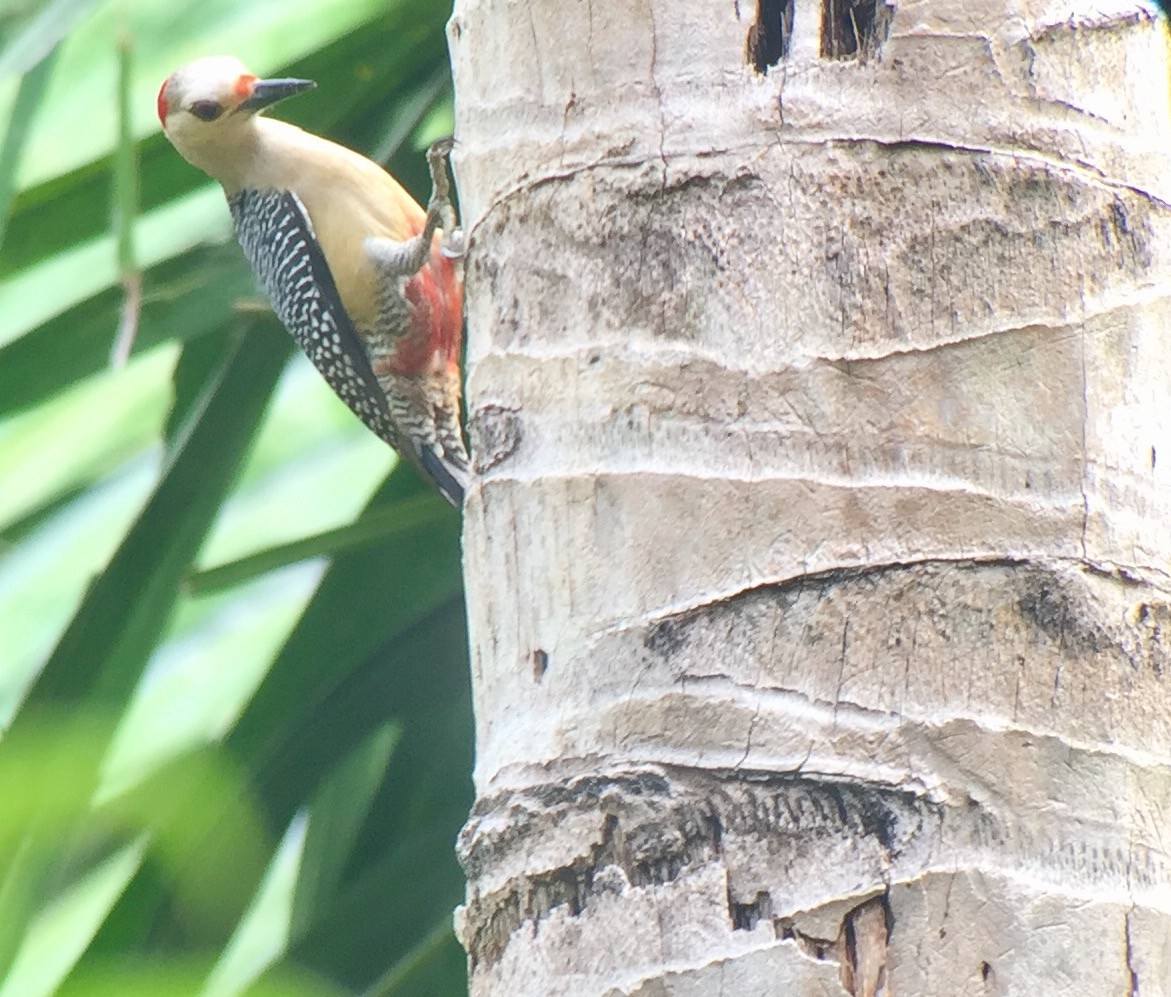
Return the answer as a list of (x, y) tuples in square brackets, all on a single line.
[(440, 148), (454, 243)]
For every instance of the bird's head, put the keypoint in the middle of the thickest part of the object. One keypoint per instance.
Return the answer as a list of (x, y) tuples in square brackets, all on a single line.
[(203, 102)]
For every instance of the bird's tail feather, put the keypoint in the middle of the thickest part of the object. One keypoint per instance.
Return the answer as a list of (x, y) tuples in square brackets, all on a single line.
[(450, 475)]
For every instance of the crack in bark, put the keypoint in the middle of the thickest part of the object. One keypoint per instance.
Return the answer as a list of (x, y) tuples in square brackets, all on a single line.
[(658, 90), (1133, 991), (655, 828)]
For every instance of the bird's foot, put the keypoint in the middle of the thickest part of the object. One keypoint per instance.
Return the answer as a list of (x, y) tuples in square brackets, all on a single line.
[(454, 243)]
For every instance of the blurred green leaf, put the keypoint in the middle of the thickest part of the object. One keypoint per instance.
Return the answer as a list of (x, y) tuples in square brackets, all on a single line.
[(337, 813), (44, 292), (410, 888), (125, 162), (305, 872), (172, 977), (46, 770), (120, 414), (125, 211), (419, 676), (102, 654), (411, 574), (263, 934), (181, 804), (24, 112), (189, 697), (183, 299), (46, 776), (399, 519), (409, 115), (396, 980), (219, 716), (62, 930), (31, 38)]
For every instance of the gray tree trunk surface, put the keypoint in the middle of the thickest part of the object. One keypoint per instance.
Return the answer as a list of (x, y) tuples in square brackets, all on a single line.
[(819, 567)]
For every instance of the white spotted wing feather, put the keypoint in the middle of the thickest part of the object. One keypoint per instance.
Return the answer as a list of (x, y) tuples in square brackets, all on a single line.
[(277, 237)]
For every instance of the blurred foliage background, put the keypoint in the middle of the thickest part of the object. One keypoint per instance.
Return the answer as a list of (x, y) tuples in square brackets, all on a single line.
[(233, 667)]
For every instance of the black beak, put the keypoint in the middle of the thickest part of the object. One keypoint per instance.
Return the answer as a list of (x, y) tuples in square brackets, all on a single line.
[(265, 93)]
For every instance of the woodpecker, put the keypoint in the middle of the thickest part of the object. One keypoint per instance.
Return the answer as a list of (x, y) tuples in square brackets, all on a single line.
[(353, 266)]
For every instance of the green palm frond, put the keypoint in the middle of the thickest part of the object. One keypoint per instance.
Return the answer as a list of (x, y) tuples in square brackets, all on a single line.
[(233, 667)]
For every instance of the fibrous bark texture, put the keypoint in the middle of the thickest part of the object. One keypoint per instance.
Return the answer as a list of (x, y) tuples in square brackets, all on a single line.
[(819, 565)]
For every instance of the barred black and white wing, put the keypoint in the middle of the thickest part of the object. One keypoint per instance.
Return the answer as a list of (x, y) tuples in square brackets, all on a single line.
[(277, 237)]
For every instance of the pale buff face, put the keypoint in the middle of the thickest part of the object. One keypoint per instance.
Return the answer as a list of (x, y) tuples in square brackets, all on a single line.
[(202, 94), (208, 109), (199, 105)]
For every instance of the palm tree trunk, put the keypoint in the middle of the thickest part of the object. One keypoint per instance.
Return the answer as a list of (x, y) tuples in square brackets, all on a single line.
[(819, 570)]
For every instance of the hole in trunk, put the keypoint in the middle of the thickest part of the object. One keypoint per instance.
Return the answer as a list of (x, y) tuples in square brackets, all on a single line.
[(768, 38), (854, 28)]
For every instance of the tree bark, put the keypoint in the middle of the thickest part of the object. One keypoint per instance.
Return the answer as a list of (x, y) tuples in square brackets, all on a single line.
[(819, 568)]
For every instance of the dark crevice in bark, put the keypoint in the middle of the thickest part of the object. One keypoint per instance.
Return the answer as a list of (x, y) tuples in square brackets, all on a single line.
[(1130, 234), (768, 38), (865, 937), (746, 916), (818, 949), (854, 28), (859, 949)]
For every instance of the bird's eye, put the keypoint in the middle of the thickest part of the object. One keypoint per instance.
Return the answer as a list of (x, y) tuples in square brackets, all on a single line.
[(206, 110)]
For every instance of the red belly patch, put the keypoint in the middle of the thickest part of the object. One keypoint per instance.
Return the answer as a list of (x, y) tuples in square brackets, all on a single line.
[(435, 299)]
